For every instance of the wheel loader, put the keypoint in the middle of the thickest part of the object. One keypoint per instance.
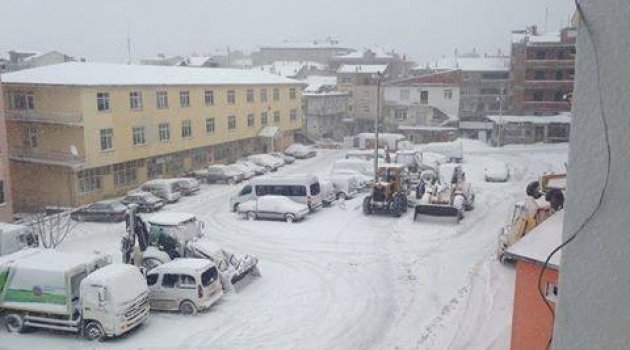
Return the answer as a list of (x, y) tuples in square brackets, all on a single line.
[(389, 193)]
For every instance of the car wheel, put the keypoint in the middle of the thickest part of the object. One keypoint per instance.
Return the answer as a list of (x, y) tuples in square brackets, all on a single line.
[(290, 218), (342, 195), (187, 308), (251, 216), (93, 331), (235, 208), (14, 323)]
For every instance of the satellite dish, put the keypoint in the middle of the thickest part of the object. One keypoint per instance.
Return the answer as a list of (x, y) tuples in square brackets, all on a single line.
[(74, 151)]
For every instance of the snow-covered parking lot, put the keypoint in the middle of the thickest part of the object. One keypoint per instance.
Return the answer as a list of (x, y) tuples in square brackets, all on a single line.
[(342, 280)]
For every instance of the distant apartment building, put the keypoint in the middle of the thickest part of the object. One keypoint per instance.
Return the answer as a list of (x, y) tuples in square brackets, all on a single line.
[(542, 71), (80, 132), (6, 205), (521, 129), (320, 51), (18, 60), (292, 69), (398, 65), (361, 82), (423, 108)]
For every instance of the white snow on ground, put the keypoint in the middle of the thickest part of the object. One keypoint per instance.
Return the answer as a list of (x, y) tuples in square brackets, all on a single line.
[(341, 280)]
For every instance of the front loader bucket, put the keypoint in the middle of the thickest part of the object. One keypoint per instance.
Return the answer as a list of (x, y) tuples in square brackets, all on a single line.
[(436, 210)]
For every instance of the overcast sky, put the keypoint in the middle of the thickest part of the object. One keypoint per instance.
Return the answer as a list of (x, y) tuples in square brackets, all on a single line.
[(422, 29)]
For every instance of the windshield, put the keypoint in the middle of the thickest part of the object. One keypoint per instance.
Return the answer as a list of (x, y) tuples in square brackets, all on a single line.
[(209, 276)]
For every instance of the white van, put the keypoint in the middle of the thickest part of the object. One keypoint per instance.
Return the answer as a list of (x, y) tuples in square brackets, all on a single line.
[(301, 188), (188, 285), (167, 189)]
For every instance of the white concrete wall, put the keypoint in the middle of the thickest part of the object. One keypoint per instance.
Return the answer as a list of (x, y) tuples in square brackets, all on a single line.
[(594, 303), (436, 97)]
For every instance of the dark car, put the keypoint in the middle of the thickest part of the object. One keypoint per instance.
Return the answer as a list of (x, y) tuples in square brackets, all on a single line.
[(224, 173), (146, 201), (112, 211)]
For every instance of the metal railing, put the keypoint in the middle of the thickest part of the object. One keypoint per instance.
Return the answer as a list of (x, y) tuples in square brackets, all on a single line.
[(50, 118)]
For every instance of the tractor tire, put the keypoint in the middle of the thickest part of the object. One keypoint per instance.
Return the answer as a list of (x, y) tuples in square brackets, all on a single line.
[(367, 206), (398, 205), (532, 189), (555, 197)]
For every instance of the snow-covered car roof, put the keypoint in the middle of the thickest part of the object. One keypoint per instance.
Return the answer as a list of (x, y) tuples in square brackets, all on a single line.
[(170, 218), (123, 282), (184, 265)]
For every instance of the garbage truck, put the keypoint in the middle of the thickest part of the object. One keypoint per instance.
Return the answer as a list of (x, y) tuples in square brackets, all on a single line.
[(78, 293)]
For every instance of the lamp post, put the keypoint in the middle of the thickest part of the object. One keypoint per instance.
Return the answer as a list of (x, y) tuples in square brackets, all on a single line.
[(500, 133)]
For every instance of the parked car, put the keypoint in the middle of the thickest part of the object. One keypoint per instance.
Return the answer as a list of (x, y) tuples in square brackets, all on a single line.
[(167, 189), (186, 284), (496, 171), (258, 170), (286, 158), (346, 186), (109, 210), (300, 188), (327, 192), (267, 161), (300, 151), (362, 168), (273, 207), (188, 185), (146, 201), (224, 173), (247, 172)]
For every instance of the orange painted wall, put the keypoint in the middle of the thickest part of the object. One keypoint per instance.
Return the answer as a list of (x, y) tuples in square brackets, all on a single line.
[(531, 321)]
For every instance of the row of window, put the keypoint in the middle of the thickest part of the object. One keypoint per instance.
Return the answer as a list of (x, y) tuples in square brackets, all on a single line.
[(161, 97), (164, 129), (405, 95)]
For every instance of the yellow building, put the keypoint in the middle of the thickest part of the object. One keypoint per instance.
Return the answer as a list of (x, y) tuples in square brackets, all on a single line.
[(80, 132), (6, 210)]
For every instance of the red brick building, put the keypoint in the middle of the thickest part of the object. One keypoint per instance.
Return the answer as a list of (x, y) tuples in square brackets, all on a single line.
[(542, 71), (532, 324)]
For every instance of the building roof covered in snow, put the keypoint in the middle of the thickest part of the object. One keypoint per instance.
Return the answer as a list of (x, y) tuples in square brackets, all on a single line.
[(471, 64), (327, 43), (106, 74), (539, 242), (368, 53), (564, 118), (288, 68), (362, 68), (318, 82)]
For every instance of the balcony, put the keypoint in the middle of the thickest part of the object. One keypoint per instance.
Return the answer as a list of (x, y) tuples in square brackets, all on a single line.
[(549, 84), (47, 157), (565, 63), (72, 119)]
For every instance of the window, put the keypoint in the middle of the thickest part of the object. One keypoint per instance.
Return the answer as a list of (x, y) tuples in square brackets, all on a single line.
[(490, 91), (169, 280), (231, 97), (102, 101), (199, 157), (107, 139), (165, 132), (138, 135), (551, 292), (135, 100), (276, 117), (186, 129), (90, 180), (184, 99), (559, 75), (231, 122), (2, 199), (246, 190), (250, 120), (448, 94), (541, 55), (21, 100), (264, 118), (161, 98), (283, 190), (539, 75), (263, 95), (276, 94), (404, 94), (209, 276), (250, 95), (152, 279), (537, 96), (209, 125), (293, 115), (208, 97), (558, 96), (495, 75), (30, 137), (400, 114), (125, 173), (346, 80), (292, 94), (424, 97), (187, 282)]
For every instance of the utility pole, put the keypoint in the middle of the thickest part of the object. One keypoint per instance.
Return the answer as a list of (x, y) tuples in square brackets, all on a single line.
[(500, 133), (378, 109), (128, 44)]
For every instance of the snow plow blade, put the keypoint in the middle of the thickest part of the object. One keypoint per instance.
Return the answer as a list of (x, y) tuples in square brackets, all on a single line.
[(436, 210)]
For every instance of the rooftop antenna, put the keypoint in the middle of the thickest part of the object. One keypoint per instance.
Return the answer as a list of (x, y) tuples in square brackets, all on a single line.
[(128, 44), (546, 17)]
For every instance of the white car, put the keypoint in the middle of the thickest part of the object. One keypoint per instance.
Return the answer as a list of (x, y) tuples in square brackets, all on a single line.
[(248, 173), (273, 207), (327, 191), (264, 160), (258, 170), (300, 151), (496, 171), (346, 186), (364, 169)]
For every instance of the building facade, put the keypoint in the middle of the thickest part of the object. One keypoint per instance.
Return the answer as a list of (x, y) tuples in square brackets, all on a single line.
[(398, 66), (511, 129), (18, 60), (6, 204), (80, 132), (542, 71), (362, 83), (325, 115), (320, 51)]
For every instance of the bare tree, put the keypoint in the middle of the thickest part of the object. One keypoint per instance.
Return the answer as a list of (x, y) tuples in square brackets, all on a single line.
[(51, 230)]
